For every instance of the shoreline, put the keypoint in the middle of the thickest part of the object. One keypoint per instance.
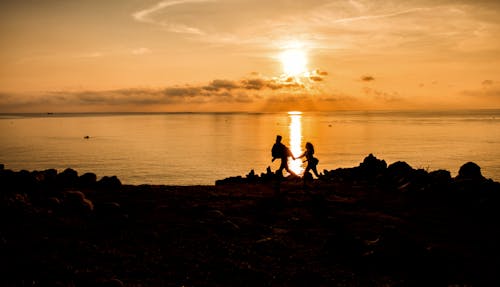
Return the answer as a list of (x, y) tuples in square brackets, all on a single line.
[(369, 225)]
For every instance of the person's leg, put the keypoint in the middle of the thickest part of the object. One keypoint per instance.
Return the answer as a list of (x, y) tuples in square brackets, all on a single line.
[(307, 169), (315, 171), (283, 165), (290, 171)]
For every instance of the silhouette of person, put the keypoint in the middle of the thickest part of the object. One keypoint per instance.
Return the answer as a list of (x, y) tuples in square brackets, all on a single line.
[(312, 162), (282, 152)]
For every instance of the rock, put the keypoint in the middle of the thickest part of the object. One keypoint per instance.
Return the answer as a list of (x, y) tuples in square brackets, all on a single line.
[(48, 175), (108, 182), (7, 180), (252, 177), (112, 210), (25, 181), (87, 180), (75, 202), (2, 166), (54, 203), (233, 179), (399, 168), (440, 179), (371, 166), (399, 172), (47, 178), (470, 171), (67, 178), (268, 176), (215, 213), (440, 176), (230, 226), (112, 283)]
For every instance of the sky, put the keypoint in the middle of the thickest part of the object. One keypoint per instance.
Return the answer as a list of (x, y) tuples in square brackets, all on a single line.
[(248, 55)]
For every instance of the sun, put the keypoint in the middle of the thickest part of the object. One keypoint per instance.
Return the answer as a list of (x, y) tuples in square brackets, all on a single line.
[(294, 62)]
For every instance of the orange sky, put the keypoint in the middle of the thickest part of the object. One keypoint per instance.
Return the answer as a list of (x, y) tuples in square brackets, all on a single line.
[(224, 55)]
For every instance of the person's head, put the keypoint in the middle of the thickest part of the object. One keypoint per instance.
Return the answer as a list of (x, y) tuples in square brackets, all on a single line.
[(309, 147), (278, 138)]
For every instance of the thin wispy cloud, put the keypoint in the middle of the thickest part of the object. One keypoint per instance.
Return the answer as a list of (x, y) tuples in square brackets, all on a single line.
[(148, 16), (141, 51), (349, 24), (90, 55)]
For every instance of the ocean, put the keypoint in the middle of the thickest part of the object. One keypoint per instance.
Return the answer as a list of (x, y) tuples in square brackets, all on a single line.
[(200, 148)]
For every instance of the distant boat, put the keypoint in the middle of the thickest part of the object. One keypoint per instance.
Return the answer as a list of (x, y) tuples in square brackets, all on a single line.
[(86, 137), (50, 113)]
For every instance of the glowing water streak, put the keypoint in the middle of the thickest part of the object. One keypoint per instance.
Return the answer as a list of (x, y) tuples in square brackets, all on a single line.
[(296, 141)]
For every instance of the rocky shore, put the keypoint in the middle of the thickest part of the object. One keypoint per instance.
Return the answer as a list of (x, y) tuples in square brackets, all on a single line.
[(371, 225)]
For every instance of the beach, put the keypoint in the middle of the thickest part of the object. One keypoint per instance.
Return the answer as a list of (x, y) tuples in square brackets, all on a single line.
[(369, 225)]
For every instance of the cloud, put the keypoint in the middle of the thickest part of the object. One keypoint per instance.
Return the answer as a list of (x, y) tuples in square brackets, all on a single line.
[(320, 73), (182, 92), (317, 75), (487, 83), (342, 26), (217, 85), (316, 78), (147, 16), (91, 55), (367, 78), (490, 89), (383, 96), (246, 90), (141, 51)]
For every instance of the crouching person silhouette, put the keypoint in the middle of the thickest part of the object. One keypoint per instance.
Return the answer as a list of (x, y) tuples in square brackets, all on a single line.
[(280, 151)]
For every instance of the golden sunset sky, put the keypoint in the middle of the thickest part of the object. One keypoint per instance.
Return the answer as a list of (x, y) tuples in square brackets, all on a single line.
[(248, 55)]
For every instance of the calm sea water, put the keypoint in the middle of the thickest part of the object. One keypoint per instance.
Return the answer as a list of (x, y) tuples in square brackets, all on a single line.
[(188, 149)]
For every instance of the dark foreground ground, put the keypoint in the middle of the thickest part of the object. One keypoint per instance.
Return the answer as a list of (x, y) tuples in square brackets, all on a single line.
[(371, 225)]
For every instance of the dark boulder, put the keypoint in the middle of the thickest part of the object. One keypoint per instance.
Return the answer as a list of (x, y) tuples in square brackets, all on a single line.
[(47, 178), (440, 180), (48, 175), (25, 181), (399, 168), (109, 182), (7, 180), (68, 178), (470, 171), (75, 202), (87, 180), (372, 166), (2, 166), (108, 209), (53, 203), (440, 176), (112, 283), (232, 179), (399, 172)]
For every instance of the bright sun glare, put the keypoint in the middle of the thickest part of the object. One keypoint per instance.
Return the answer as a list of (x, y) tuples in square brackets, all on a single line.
[(294, 62)]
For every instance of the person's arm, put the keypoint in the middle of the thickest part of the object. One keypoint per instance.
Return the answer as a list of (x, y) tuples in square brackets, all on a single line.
[(289, 153), (302, 155)]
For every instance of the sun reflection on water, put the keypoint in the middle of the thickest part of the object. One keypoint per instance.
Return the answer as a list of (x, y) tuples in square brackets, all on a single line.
[(296, 140)]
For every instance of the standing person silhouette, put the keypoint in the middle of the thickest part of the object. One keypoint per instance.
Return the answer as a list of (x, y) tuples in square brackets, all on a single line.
[(282, 152), (312, 162)]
